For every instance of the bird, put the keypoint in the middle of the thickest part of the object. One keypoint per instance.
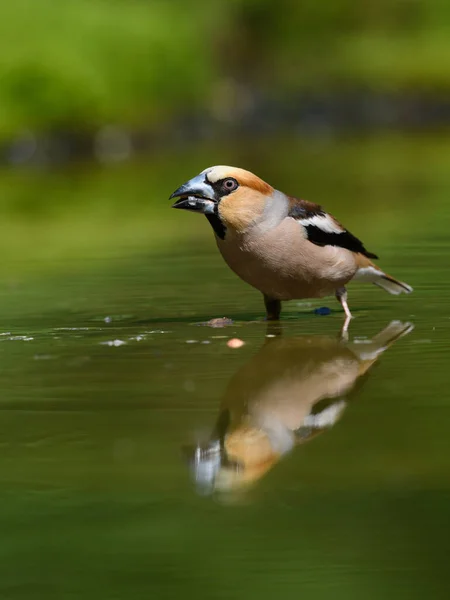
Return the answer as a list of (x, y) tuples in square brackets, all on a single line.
[(285, 247), (291, 390)]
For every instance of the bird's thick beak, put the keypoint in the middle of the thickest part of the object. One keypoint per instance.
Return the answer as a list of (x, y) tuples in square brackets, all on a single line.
[(196, 195)]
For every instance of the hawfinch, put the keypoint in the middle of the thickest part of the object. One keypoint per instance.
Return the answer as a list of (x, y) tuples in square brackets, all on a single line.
[(285, 247), (291, 390)]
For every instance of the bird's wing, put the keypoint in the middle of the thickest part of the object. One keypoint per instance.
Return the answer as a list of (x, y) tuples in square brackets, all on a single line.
[(322, 228)]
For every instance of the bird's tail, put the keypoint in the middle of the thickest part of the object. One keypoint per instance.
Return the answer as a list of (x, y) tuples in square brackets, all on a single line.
[(369, 351), (390, 334), (368, 271)]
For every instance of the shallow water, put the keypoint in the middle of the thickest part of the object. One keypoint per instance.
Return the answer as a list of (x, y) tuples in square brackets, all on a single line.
[(140, 455)]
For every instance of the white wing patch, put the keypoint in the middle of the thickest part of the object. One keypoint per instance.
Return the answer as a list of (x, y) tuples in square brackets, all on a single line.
[(323, 222), (327, 418), (367, 274)]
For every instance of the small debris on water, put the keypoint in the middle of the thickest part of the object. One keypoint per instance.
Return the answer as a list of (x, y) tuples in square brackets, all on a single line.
[(323, 311), (73, 328), (218, 322), (114, 343), (112, 318), (191, 341), (156, 331), (235, 343)]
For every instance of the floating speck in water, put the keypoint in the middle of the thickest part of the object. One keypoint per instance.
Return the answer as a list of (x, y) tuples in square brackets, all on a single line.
[(191, 341), (72, 328), (206, 342), (111, 318), (157, 331), (270, 335), (137, 338), (323, 311), (6, 333), (22, 338), (217, 322), (114, 343), (235, 343)]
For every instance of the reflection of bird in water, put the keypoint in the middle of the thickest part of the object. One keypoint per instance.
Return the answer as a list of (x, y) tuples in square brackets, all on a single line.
[(288, 392)]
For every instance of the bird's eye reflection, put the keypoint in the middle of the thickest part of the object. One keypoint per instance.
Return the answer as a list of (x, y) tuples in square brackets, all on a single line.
[(291, 390)]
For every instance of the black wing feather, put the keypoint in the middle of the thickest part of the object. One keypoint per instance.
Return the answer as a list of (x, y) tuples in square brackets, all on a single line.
[(302, 210), (343, 240)]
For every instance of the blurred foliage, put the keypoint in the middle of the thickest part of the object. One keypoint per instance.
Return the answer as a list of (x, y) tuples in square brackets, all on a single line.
[(80, 63)]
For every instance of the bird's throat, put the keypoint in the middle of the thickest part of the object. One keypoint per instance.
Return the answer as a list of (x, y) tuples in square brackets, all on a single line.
[(216, 223)]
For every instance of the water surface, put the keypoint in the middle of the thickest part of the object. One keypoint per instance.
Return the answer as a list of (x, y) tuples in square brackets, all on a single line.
[(110, 381)]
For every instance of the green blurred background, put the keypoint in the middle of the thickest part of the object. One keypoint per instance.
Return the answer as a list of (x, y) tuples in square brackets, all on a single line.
[(113, 103), (106, 106), (76, 65)]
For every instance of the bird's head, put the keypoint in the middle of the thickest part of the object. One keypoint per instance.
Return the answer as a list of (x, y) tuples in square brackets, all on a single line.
[(228, 196)]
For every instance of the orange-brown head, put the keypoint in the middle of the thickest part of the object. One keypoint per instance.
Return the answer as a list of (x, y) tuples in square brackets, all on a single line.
[(230, 197)]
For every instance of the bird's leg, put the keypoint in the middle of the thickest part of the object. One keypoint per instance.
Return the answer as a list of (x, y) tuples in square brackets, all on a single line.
[(273, 308), (341, 295)]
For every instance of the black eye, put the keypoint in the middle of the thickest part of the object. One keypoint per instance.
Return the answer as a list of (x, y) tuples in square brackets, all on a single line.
[(229, 185)]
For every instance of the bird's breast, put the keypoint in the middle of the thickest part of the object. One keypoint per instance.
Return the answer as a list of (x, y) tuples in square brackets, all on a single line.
[(283, 264)]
